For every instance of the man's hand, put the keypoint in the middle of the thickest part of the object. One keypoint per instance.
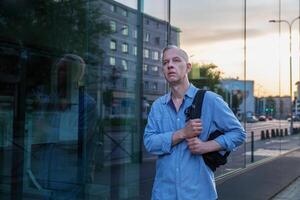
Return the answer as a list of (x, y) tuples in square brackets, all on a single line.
[(192, 128), (197, 146)]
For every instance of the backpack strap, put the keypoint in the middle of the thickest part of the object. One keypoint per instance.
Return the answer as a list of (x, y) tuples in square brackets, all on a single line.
[(212, 159), (197, 104)]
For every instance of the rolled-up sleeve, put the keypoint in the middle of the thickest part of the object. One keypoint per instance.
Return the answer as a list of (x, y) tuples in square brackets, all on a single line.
[(156, 142), (226, 121)]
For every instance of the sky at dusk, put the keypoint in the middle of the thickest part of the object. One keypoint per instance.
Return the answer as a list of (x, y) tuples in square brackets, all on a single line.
[(212, 32)]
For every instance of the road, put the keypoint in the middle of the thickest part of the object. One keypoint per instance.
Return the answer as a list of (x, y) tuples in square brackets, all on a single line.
[(257, 127)]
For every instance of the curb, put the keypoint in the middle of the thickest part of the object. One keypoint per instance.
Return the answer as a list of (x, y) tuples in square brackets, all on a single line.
[(224, 177)]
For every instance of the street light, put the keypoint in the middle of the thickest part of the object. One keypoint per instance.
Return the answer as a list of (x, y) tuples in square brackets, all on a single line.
[(290, 24)]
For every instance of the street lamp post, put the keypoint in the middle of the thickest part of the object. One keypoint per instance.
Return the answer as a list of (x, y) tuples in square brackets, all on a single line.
[(290, 24)]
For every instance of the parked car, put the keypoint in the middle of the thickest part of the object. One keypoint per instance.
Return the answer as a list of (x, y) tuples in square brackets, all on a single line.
[(262, 118), (251, 119), (270, 118)]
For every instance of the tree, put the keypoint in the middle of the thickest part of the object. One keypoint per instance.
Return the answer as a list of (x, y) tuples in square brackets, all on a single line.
[(47, 29), (60, 25), (237, 99), (206, 76)]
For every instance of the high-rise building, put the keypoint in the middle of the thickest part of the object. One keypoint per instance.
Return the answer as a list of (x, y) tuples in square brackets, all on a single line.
[(120, 60), (275, 106), (297, 100)]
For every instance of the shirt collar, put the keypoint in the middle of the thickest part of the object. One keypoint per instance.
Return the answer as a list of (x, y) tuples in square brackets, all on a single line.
[(191, 92)]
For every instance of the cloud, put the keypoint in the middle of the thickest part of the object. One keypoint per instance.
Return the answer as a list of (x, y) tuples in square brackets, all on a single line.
[(218, 35)]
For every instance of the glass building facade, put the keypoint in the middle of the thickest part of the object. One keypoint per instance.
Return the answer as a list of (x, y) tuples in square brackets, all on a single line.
[(77, 80)]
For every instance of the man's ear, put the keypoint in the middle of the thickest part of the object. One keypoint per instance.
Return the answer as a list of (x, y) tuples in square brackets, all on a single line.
[(188, 67)]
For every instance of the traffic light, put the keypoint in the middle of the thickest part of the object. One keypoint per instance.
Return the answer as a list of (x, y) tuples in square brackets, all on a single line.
[(269, 109)]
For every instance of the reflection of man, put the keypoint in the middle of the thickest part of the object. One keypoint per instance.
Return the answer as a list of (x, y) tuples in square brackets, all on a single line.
[(180, 170), (74, 66), (74, 112)]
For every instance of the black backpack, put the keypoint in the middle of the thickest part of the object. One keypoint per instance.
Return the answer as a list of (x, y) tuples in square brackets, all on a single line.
[(212, 159)]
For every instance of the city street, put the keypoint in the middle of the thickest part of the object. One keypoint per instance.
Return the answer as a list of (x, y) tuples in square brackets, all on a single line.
[(259, 126)]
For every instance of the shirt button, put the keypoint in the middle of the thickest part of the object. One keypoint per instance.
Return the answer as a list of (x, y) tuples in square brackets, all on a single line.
[(177, 169), (178, 119)]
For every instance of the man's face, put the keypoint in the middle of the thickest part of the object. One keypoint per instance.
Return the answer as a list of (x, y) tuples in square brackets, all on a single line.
[(175, 67)]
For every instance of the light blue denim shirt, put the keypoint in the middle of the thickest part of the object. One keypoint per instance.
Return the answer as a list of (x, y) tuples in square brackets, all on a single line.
[(179, 174)]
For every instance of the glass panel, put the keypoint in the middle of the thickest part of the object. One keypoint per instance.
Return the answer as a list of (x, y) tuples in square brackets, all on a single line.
[(268, 53), (79, 140), (9, 57), (116, 162), (212, 35), (78, 78)]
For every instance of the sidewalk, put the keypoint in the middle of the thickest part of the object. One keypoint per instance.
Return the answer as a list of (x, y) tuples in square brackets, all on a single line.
[(263, 181), (291, 192)]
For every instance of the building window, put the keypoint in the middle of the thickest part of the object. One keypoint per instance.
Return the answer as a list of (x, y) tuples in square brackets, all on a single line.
[(113, 26), (147, 21), (133, 67), (155, 55), (157, 25), (124, 64), (124, 83), (113, 45), (112, 61), (134, 34), (125, 48), (124, 12), (125, 30), (147, 37), (155, 68), (145, 67), (146, 53), (134, 50), (113, 8), (146, 85), (154, 86), (157, 40)]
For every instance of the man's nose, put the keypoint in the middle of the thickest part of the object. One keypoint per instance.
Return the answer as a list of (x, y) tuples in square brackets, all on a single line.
[(170, 65)]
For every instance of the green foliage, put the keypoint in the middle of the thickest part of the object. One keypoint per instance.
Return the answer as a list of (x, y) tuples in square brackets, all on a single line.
[(209, 77), (237, 99), (61, 25)]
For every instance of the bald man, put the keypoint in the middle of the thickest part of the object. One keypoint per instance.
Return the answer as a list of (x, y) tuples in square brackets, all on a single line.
[(181, 172)]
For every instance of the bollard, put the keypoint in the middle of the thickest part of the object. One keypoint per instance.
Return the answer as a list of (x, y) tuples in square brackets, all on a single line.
[(277, 132), (286, 132), (252, 146), (281, 133), (267, 134), (262, 135), (294, 131), (273, 133)]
